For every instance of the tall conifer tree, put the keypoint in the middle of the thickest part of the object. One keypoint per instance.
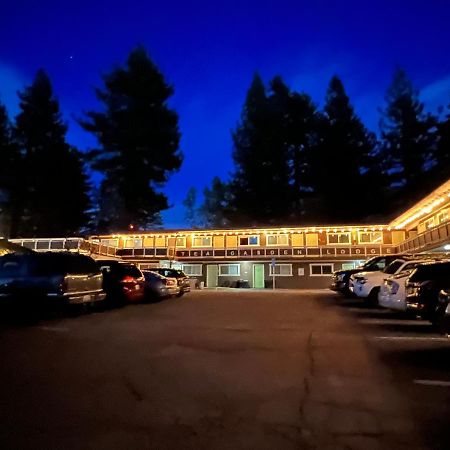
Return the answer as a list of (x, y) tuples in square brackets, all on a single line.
[(300, 121), (139, 139), (408, 139), (55, 187), (9, 181), (343, 161), (260, 182)]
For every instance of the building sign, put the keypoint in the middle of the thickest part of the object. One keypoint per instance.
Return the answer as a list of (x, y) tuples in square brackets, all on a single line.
[(267, 253)]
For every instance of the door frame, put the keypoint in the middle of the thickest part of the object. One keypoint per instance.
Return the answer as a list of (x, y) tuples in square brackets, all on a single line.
[(263, 275), (209, 267)]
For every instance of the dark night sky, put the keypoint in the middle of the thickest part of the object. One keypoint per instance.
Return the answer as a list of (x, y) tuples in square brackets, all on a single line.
[(210, 50)]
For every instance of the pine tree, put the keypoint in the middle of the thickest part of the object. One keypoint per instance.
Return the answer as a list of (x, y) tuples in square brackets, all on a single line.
[(9, 181), (300, 125), (214, 210), (441, 169), (408, 138), (342, 163), (260, 182), (190, 204), (139, 138), (55, 187)]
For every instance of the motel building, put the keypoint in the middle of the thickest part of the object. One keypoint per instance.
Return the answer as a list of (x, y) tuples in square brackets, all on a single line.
[(292, 257)]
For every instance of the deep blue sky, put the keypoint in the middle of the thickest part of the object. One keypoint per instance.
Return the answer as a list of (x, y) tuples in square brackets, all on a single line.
[(209, 51)]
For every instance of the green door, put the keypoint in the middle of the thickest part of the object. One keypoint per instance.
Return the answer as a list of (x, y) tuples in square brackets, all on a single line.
[(258, 276)]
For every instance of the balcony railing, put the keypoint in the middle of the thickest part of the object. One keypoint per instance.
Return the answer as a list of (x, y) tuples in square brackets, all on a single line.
[(427, 240)]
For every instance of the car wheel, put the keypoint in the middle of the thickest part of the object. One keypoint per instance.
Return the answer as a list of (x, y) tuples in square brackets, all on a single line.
[(372, 299)]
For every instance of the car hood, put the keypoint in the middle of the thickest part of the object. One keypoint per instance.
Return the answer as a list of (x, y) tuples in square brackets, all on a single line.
[(369, 275), (348, 272)]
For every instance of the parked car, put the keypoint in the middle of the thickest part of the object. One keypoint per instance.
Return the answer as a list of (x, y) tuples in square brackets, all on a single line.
[(157, 286), (341, 278), (423, 287), (123, 282), (179, 275), (367, 284), (392, 293), (66, 278)]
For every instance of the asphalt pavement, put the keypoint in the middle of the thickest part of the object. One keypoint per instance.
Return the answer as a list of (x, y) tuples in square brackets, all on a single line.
[(234, 369)]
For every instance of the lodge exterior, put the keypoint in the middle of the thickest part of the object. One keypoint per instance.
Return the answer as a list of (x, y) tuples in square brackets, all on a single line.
[(295, 257)]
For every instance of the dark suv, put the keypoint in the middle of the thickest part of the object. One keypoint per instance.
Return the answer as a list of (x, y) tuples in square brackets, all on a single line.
[(341, 278), (123, 282), (423, 287), (182, 278)]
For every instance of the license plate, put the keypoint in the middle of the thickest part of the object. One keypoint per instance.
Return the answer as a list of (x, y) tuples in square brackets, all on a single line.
[(81, 299)]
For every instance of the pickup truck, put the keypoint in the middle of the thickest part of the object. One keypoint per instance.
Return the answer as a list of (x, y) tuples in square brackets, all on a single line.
[(66, 278)]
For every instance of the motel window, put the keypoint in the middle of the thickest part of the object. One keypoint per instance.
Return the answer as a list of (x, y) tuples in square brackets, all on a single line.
[(349, 266), (249, 240), (180, 242), (321, 270), (229, 269), (193, 269), (429, 223), (282, 270), (132, 243), (160, 241), (372, 237), (339, 238), (443, 216), (277, 239), (110, 242), (312, 240), (202, 241)]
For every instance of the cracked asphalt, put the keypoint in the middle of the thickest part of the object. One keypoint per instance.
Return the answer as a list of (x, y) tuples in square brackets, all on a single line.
[(213, 370)]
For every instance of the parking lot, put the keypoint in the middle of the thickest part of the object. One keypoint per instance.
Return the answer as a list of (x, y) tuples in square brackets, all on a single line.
[(419, 360), (226, 369)]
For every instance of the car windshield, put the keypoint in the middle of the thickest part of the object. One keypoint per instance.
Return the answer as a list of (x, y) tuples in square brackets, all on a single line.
[(393, 267), (375, 263)]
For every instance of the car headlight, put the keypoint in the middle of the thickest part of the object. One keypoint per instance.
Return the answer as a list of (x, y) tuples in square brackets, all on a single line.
[(394, 287)]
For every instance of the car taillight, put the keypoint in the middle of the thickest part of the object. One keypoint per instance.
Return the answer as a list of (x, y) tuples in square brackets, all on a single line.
[(127, 279)]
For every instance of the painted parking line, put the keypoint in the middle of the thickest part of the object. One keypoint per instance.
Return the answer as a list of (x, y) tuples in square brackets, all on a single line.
[(412, 338), (391, 321), (439, 383)]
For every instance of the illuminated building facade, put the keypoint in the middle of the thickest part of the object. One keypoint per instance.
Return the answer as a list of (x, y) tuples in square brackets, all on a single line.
[(296, 257)]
